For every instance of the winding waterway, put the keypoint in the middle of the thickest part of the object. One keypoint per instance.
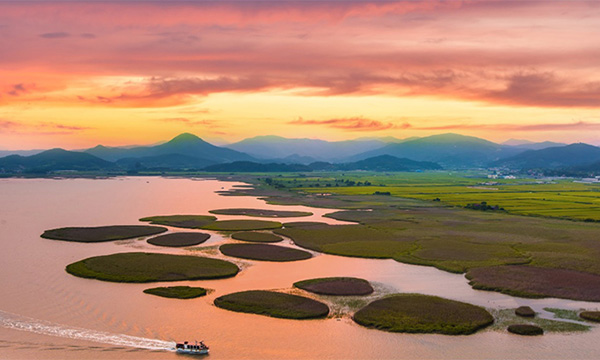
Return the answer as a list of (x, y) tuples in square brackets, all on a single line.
[(46, 313)]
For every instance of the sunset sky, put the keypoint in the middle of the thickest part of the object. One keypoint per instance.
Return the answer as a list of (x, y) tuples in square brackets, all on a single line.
[(78, 73)]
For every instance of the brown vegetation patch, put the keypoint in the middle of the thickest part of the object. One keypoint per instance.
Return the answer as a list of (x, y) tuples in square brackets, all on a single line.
[(294, 224), (102, 233), (416, 313), (340, 286), (525, 329), (181, 221), (590, 315), (529, 281), (261, 213), (264, 252), (273, 304), (254, 236), (179, 239), (524, 311)]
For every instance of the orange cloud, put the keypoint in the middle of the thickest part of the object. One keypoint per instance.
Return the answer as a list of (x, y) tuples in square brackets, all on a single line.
[(350, 124), (8, 126), (570, 126)]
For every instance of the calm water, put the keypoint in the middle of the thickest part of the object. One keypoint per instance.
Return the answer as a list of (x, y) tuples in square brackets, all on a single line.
[(47, 314)]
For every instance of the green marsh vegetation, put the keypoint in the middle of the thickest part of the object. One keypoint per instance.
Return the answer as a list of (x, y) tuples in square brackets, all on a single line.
[(177, 292), (242, 225), (506, 317), (181, 221), (450, 238), (254, 236), (564, 314), (416, 313), (102, 233), (264, 252), (261, 213), (179, 239), (337, 286), (274, 304), (150, 267), (556, 198), (348, 240)]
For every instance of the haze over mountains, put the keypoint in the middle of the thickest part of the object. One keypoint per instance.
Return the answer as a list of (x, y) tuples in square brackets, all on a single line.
[(270, 147), (274, 153)]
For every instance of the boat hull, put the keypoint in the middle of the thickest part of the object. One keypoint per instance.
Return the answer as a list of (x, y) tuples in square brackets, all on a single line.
[(192, 352)]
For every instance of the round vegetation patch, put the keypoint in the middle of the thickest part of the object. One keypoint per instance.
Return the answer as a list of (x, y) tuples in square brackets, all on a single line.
[(415, 313), (148, 267), (525, 329), (179, 239), (273, 304), (341, 286), (242, 225), (177, 292), (590, 315), (261, 213), (181, 221), (264, 252), (524, 311), (102, 233), (254, 236)]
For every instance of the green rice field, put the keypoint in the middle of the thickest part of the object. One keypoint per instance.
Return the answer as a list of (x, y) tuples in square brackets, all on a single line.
[(560, 198)]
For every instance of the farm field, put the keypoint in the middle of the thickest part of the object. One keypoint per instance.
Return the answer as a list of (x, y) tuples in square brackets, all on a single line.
[(560, 198)]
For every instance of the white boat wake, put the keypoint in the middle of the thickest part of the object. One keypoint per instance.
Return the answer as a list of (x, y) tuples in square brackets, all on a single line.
[(23, 323)]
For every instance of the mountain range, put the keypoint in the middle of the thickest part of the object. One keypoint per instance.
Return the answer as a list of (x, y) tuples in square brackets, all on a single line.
[(271, 147), (189, 152)]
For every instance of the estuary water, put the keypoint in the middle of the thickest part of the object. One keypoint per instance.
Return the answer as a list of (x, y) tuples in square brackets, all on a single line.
[(46, 313)]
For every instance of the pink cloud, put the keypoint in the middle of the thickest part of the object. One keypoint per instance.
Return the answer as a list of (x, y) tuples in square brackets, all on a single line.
[(515, 53)]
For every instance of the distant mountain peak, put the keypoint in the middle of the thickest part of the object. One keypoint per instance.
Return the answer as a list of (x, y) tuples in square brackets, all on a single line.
[(452, 137), (184, 137)]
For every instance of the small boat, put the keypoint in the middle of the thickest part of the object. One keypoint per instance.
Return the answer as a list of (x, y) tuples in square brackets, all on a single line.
[(199, 348)]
